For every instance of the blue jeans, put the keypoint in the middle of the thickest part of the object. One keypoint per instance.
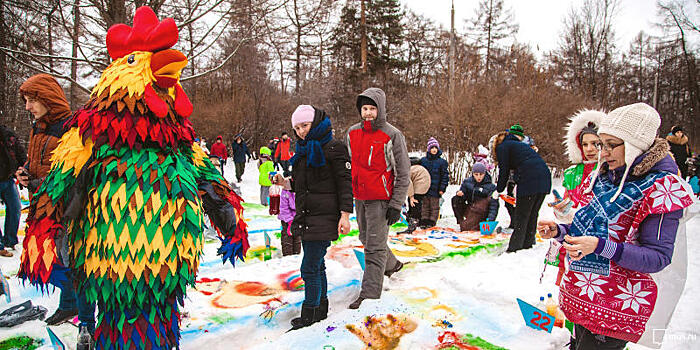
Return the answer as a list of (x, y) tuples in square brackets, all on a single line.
[(13, 208), (313, 272), (71, 300)]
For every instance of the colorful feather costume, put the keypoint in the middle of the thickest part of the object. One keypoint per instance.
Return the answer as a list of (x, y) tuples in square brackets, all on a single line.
[(128, 189)]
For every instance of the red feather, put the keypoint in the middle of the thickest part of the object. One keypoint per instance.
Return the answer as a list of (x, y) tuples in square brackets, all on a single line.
[(147, 34), (183, 106), (154, 102)]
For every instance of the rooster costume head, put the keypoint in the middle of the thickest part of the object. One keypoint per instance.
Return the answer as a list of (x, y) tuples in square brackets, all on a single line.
[(144, 64)]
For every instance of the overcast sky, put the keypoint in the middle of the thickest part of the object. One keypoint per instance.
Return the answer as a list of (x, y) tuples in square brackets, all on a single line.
[(541, 20)]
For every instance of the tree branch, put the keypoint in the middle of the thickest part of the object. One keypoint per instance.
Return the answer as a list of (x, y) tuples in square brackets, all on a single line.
[(52, 72)]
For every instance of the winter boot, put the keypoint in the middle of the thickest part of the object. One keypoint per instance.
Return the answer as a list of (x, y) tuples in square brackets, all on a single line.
[(412, 225), (307, 317), (356, 304), (397, 268), (322, 312), (85, 338), (61, 316)]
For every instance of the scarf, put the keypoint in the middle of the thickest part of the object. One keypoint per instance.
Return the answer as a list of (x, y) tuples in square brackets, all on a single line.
[(311, 146)]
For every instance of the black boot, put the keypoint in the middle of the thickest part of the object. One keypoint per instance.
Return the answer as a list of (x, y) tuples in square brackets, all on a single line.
[(322, 312), (61, 316), (412, 225), (397, 268), (356, 304), (307, 317)]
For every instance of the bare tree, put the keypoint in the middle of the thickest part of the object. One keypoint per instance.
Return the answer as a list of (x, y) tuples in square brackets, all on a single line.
[(491, 24)]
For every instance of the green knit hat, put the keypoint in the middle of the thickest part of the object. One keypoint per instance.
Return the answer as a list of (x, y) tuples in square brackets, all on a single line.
[(265, 150), (516, 129)]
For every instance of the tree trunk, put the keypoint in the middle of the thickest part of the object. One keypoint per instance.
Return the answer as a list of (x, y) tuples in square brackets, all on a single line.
[(74, 54), (363, 43), (49, 29), (3, 65), (488, 37), (297, 64)]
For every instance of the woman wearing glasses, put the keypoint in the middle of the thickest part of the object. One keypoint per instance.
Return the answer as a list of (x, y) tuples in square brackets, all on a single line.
[(622, 282)]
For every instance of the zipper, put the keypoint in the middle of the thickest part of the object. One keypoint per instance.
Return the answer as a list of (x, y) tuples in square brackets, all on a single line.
[(43, 150), (385, 189), (369, 161), (658, 233)]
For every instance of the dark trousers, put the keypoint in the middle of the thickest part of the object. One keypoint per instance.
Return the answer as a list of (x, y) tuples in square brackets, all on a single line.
[(291, 243), (459, 207), (70, 300), (527, 210), (510, 189), (414, 212), (585, 340), (313, 272), (430, 211), (240, 168), (13, 208)]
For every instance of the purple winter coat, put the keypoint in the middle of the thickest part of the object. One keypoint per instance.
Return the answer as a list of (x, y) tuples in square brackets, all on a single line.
[(653, 254), (287, 206)]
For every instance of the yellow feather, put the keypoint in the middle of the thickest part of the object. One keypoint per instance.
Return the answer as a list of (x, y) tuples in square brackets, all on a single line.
[(122, 75)]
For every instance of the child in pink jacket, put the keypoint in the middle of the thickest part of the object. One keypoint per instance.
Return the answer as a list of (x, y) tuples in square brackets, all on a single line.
[(291, 243)]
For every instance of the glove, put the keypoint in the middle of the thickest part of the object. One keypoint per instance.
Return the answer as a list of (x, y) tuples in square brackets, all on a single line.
[(392, 215), (494, 195)]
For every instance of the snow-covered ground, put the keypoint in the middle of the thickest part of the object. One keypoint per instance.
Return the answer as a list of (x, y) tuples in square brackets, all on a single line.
[(250, 306)]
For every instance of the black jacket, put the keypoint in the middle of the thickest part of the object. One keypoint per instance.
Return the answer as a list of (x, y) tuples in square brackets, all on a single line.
[(531, 172), (323, 192), (12, 154), (240, 151)]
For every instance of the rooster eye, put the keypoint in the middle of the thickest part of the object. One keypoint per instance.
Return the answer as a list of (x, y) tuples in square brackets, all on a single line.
[(131, 59)]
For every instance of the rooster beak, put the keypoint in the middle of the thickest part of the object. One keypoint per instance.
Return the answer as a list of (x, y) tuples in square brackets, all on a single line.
[(166, 66)]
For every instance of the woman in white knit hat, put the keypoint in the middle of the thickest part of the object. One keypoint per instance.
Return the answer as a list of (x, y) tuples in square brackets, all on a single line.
[(622, 282)]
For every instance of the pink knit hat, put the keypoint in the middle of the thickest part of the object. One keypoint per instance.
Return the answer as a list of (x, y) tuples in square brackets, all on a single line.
[(303, 114)]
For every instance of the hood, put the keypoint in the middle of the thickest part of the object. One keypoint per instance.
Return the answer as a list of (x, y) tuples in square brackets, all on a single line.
[(579, 121), (46, 89), (672, 138), (377, 95)]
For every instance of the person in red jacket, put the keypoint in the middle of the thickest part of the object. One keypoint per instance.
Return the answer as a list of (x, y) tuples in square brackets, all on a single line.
[(284, 152), (219, 149), (380, 179)]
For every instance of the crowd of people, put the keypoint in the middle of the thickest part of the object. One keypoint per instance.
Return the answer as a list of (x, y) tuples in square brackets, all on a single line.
[(610, 222)]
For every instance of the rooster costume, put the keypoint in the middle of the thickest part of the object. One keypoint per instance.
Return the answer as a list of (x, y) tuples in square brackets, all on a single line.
[(128, 188)]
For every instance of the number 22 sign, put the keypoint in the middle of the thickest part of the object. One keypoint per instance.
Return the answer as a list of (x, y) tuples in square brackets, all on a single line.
[(536, 318)]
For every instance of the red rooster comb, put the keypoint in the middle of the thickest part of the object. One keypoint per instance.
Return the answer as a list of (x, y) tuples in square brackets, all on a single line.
[(147, 34)]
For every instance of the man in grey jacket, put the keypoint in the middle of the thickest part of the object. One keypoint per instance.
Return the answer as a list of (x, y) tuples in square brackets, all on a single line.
[(380, 179)]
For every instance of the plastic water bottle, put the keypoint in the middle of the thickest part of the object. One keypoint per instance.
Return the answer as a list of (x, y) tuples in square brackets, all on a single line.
[(551, 305), (541, 305)]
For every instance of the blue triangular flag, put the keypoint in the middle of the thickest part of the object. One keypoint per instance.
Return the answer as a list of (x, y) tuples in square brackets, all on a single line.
[(536, 318), (55, 340), (360, 257)]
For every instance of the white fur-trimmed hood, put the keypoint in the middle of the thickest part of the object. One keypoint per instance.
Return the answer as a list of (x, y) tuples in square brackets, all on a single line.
[(577, 122)]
